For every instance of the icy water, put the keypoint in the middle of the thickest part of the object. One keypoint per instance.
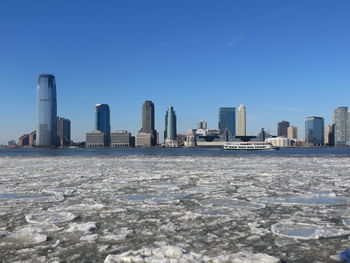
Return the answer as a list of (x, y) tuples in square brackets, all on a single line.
[(166, 205)]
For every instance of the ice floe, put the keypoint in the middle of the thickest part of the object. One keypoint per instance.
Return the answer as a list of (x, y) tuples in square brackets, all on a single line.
[(50, 217), (306, 231)]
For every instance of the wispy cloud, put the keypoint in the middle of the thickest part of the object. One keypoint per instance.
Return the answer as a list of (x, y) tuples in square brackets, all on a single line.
[(269, 16), (234, 40)]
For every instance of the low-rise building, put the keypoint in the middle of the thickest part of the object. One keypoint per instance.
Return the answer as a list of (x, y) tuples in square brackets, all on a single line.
[(95, 139), (120, 139), (143, 139), (280, 141)]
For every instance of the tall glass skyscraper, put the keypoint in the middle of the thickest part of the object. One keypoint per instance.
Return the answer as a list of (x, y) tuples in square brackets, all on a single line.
[(63, 131), (102, 121), (46, 131), (170, 124), (227, 120), (314, 130), (341, 126)]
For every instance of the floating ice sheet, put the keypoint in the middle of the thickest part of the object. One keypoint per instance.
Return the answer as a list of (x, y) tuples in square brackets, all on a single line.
[(30, 197), (308, 200), (232, 203), (50, 217), (306, 231)]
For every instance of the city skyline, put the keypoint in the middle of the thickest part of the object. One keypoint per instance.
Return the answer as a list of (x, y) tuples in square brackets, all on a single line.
[(226, 54)]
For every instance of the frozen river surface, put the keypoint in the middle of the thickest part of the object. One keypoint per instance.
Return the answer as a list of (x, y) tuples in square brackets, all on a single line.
[(174, 209)]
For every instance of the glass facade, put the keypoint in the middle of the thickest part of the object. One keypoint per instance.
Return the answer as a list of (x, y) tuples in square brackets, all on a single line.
[(148, 116), (46, 111), (102, 121), (170, 124), (227, 120), (282, 129), (340, 122), (63, 131), (314, 131)]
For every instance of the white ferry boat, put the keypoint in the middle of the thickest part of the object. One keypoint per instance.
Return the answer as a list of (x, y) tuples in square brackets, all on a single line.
[(249, 146)]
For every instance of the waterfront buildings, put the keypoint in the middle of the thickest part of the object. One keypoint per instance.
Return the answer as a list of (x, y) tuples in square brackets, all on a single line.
[(227, 120), (32, 138), (46, 111), (148, 130), (120, 139), (95, 139), (102, 122), (280, 141), (282, 129), (241, 125), (63, 131), (314, 131), (341, 124), (292, 132)]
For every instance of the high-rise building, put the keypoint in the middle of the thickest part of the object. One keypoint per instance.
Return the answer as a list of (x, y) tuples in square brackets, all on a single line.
[(102, 122), (148, 121), (63, 131), (242, 123), (282, 129), (148, 117), (341, 126), (170, 124), (328, 135), (227, 120), (46, 111), (314, 131), (292, 132), (202, 125)]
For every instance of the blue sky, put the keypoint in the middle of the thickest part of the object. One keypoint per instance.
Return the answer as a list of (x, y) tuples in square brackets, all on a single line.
[(285, 60)]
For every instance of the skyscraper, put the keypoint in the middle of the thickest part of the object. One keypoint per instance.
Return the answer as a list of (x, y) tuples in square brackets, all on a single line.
[(170, 124), (148, 117), (63, 131), (46, 111), (148, 121), (227, 120), (102, 121), (242, 124), (341, 126), (282, 128), (314, 130)]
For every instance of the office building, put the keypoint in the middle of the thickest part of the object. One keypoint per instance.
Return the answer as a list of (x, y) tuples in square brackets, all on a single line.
[(143, 139), (46, 111), (95, 139), (227, 120), (202, 125), (32, 138), (292, 132), (23, 140), (63, 131), (314, 131), (170, 124), (341, 126), (242, 123), (328, 135), (148, 121), (120, 139), (102, 122), (282, 129)]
